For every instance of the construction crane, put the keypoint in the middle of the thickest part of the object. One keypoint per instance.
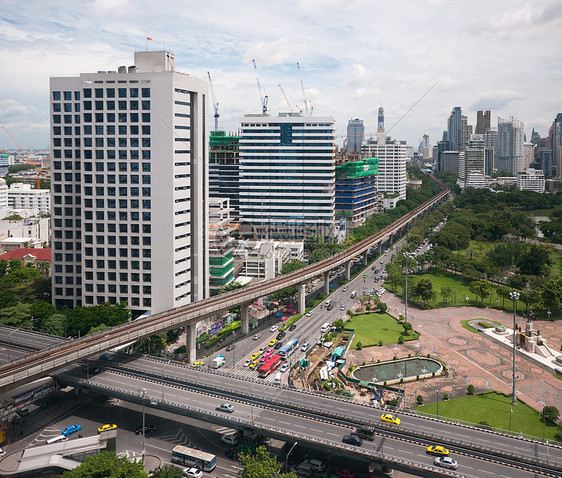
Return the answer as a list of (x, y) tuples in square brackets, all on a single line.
[(263, 98), (29, 160), (286, 99), (302, 89), (215, 104)]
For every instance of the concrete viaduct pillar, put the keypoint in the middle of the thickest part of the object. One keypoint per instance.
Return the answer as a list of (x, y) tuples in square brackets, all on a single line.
[(348, 270), (327, 282), (301, 298), (366, 257), (190, 346), (245, 318)]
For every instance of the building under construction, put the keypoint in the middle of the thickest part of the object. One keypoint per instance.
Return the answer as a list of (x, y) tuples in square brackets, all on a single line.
[(356, 191), (224, 166)]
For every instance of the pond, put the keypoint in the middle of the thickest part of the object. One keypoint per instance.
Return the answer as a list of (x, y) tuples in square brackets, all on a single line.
[(408, 368)]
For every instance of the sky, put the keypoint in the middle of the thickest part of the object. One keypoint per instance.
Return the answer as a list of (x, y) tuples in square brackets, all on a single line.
[(416, 58)]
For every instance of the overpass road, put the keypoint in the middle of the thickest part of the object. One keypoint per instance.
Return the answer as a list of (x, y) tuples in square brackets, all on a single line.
[(322, 420)]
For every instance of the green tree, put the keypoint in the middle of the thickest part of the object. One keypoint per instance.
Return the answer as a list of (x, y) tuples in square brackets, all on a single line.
[(551, 413), (54, 325), (261, 465), (167, 471), (107, 465), (481, 288), (424, 290), (470, 389), (503, 291), (292, 266), (419, 399), (446, 292)]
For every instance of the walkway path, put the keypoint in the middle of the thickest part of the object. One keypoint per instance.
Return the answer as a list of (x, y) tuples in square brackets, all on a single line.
[(472, 358)]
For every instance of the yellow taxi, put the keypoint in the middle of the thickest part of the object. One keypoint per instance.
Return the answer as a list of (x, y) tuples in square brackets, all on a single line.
[(388, 418), (197, 364), (437, 450), (272, 343), (254, 364), (254, 356), (106, 427)]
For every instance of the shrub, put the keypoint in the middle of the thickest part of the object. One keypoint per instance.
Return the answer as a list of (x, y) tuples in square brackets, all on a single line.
[(380, 344), (419, 399), (428, 355), (394, 358), (378, 360), (433, 374), (180, 350), (401, 339), (359, 346), (470, 389), (558, 436), (394, 402), (368, 307), (445, 396)]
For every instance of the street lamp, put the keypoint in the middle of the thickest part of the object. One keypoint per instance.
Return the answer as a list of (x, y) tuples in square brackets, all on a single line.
[(467, 299), (406, 256), (514, 296), (548, 313), (437, 401), (542, 404), (287, 458), (143, 390)]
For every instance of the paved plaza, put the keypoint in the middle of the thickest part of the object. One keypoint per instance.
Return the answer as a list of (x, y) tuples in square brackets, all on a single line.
[(472, 358)]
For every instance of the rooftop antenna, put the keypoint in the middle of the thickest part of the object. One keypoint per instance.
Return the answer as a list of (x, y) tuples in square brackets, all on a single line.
[(302, 89), (215, 104), (262, 97), (285, 96)]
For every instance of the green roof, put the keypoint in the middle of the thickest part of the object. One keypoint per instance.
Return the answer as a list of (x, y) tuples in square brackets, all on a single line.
[(358, 169)]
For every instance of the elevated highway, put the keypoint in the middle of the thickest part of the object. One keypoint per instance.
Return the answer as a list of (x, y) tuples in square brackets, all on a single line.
[(317, 420), (46, 361)]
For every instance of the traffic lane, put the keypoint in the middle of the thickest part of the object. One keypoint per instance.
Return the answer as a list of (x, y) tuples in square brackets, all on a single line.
[(366, 413)]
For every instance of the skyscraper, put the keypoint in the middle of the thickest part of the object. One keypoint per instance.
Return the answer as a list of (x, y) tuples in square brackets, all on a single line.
[(510, 145), (474, 154), (555, 140), (466, 132), (454, 129), (287, 176), (224, 167), (483, 121), (130, 186), (355, 135)]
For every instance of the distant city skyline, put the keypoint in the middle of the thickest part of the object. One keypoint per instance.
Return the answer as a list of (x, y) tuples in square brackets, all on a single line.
[(354, 56)]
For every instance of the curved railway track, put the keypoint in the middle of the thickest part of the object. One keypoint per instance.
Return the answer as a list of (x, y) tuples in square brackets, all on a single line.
[(19, 371)]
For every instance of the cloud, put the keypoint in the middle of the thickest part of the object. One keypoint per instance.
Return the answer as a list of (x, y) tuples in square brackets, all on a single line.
[(110, 7), (496, 100)]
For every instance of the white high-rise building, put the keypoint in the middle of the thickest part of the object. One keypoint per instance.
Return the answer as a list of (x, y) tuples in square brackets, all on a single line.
[(36, 201), (287, 176), (510, 145), (130, 186), (531, 180)]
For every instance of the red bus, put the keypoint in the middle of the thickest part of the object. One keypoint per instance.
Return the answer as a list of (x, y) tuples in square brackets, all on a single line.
[(269, 366)]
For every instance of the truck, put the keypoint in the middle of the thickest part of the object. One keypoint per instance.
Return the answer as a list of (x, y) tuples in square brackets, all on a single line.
[(217, 362)]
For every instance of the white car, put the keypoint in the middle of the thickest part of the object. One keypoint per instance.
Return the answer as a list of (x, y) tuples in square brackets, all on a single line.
[(273, 328), (446, 462), (193, 472), (226, 407), (342, 307), (305, 346), (256, 336), (2, 452), (247, 363), (344, 289), (308, 314), (284, 367), (231, 439)]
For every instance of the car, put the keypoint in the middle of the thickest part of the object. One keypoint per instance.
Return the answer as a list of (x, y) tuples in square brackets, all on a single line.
[(273, 328), (147, 429), (254, 363), (255, 355), (308, 314), (292, 327), (230, 439), (352, 440), (256, 336), (197, 364), (2, 452), (226, 407), (278, 345), (345, 289), (342, 307), (280, 335), (284, 367), (71, 429), (192, 473), (376, 271), (263, 358), (388, 418), (305, 346), (269, 352), (107, 427), (106, 356), (230, 347), (330, 307), (446, 462), (365, 433), (247, 363), (437, 450), (272, 342)]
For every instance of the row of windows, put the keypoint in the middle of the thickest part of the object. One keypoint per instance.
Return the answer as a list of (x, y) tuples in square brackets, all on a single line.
[(112, 264), (101, 179), (112, 251), (100, 299), (67, 95), (99, 118), (100, 130), (110, 105), (134, 154), (123, 288), (112, 203), (123, 167), (123, 191)]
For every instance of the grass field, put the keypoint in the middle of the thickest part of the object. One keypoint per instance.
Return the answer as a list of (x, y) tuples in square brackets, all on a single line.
[(372, 328), (493, 409)]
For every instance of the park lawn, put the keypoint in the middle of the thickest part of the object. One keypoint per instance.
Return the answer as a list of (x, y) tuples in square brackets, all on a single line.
[(493, 409), (370, 329), (461, 290)]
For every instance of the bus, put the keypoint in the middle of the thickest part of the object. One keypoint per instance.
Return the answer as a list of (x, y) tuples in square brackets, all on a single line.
[(289, 347), (186, 456), (269, 366)]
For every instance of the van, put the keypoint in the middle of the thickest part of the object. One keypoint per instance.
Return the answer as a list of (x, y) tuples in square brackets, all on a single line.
[(277, 379), (328, 302), (231, 439), (23, 411), (217, 362), (56, 439), (353, 294), (325, 328)]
